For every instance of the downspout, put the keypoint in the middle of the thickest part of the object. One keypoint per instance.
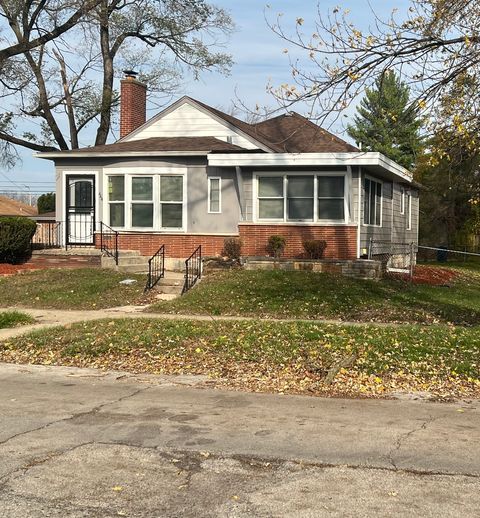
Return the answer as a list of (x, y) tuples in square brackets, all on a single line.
[(240, 191)]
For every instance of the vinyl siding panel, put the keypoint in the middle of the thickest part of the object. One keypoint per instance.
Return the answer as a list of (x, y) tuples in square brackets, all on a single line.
[(189, 121)]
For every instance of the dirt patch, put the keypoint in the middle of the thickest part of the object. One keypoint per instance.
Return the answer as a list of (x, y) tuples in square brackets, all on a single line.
[(12, 269), (430, 275)]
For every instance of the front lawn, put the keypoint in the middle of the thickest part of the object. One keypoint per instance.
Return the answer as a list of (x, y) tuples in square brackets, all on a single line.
[(288, 357), (87, 288), (14, 319), (307, 295)]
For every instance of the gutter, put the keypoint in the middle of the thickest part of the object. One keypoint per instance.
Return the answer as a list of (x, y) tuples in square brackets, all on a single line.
[(50, 155)]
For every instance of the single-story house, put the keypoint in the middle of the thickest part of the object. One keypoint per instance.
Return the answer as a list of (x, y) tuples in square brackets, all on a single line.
[(193, 175)]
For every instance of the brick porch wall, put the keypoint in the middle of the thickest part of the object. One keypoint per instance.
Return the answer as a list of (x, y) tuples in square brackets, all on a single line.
[(176, 245), (341, 240)]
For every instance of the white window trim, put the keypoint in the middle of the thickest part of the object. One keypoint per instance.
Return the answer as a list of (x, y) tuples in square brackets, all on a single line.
[(141, 202), (362, 197), (110, 202), (219, 178), (154, 172), (402, 200), (315, 220)]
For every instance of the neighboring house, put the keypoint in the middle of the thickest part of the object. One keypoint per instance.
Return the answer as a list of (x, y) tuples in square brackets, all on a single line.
[(10, 207), (193, 175)]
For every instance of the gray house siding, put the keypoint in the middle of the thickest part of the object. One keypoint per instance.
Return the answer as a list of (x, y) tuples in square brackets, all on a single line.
[(394, 224), (199, 220)]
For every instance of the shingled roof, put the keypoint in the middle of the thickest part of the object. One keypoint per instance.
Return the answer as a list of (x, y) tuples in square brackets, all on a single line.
[(206, 144), (9, 207), (288, 133)]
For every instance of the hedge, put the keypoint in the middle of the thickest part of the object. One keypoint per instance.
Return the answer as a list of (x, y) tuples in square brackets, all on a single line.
[(15, 238)]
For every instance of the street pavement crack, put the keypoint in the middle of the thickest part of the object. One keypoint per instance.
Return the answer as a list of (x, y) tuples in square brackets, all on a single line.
[(74, 416)]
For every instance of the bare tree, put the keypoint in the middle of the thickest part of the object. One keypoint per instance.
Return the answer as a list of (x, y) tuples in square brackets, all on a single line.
[(432, 45), (62, 87)]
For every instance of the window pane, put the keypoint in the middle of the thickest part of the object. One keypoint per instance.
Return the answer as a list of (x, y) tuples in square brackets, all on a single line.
[(300, 208), (300, 186), (172, 215), (331, 209), (270, 209), (116, 188), (331, 186), (142, 215), (366, 202), (171, 188), (214, 195), (142, 188), (117, 214), (270, 187), (378, 204), (372, 203)]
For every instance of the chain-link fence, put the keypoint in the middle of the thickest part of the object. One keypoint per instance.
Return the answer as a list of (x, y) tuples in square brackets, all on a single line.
[(396, 258), (405, 260), (448, 255)]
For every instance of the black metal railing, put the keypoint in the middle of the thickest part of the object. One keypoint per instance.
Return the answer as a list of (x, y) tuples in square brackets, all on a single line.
[(193, 269), (156, 268), (47, 235), (109, 241), (80, 230)]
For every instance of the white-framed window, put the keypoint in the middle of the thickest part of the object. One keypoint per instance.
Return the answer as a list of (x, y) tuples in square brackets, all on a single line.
[(409, 211), (116, 201), (142, 206), (146, 198), (372, 202), (214, 195), (402, 200), (301, 197), (171, 201)]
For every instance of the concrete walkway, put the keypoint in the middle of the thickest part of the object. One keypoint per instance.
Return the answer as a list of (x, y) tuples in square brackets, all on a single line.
[(81, 442), (54, 317)]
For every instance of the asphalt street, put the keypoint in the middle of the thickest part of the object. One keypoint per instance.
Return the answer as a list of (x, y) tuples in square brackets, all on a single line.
[(84, 443)]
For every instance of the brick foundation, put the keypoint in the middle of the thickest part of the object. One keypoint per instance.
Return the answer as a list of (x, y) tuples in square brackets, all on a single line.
[(176, 245), (341, 240)]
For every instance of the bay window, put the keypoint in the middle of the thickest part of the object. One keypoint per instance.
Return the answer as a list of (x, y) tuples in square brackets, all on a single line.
[(372, 203), (116, 201), (171, 201), (301, 197), (142, 201)]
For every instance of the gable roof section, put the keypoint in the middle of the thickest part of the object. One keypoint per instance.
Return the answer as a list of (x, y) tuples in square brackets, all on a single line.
[(9, 207), (290, 133), (203, 144)]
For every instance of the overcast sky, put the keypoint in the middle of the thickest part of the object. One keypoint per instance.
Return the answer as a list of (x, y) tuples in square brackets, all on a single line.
[(258, 56)]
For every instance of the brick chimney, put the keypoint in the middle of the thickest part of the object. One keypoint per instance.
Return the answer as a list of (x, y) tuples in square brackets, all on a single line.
[(133, 103)]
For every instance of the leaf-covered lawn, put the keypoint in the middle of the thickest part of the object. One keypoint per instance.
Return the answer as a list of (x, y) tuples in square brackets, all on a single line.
[(290, 357), (300, 294), (14, 318), (88, 288)]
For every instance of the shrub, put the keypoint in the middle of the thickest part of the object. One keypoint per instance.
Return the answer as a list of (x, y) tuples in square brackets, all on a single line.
[(314, 248), (232, 247), (15, 238), (276, 245)]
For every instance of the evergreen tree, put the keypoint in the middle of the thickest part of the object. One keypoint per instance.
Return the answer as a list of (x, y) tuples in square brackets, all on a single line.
[(387, 123), (46, 203)]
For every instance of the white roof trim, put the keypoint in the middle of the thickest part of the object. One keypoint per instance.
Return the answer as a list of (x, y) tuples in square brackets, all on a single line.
[(188, 100), (310, 159), (102, 154)]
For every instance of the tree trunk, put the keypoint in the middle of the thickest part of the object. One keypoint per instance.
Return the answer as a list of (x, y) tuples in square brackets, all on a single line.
[(107, 91)]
